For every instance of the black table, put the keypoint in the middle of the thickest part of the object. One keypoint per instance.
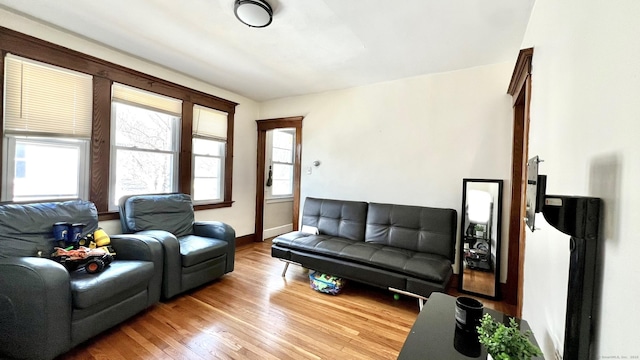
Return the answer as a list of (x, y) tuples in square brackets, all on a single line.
[(434, 334)]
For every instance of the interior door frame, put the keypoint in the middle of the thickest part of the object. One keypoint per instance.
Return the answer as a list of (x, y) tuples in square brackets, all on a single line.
[(264, 126), (520, 90)]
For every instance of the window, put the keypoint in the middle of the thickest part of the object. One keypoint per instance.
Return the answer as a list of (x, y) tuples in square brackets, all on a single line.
[(46, 168), (209, 148), (145, 143), (281, 163), (47, 127), (54, 111)]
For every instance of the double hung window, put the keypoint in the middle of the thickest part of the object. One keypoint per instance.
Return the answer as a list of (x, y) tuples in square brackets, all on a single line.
[(145, 143), (209, 153), (47, 128), (73, 126), (281, 165)]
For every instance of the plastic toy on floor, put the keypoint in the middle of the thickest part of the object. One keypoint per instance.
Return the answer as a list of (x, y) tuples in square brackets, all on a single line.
[(324, 283)]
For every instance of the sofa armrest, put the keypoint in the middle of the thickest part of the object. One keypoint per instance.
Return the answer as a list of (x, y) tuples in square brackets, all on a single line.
[(146, 248), (221, 231), (35, 308), (172, 271)]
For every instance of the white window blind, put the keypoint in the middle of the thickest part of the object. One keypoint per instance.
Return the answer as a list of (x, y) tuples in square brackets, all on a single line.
[(142, 98), (209, 123), (45, 99)]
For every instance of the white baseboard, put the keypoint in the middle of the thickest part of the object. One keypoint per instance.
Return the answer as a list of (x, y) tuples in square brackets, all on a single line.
[(278, 230)]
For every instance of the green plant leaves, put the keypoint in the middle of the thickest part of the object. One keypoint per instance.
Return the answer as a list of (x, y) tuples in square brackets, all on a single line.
[(506, 342)]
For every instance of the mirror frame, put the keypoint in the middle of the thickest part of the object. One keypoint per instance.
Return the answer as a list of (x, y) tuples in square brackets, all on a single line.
[(497, 266)]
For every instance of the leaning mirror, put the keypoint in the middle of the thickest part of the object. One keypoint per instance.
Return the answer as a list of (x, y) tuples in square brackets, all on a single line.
[(480, 232)]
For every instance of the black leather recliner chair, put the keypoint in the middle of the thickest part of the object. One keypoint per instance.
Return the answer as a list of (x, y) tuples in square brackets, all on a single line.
[(195, 252), (46, 310)]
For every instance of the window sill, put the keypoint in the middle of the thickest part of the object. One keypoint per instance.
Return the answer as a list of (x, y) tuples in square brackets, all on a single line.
[(114, 215), (219, 205)]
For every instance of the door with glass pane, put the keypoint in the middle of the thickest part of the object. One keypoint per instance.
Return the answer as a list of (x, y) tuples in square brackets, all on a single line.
[(279, 172)]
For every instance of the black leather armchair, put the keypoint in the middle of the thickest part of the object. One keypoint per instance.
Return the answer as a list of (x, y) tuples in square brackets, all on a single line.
[(195, 252), (45, 310)]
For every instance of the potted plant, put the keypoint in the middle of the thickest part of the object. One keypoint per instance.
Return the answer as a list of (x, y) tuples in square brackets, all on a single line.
[(479, 229), (506, 342)]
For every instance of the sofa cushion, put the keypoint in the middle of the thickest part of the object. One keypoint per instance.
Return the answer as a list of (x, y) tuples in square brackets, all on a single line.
[(88, 290), (168, 212), (431, 267), (421, 229), (197, 249), (335, 217), (28, 228)]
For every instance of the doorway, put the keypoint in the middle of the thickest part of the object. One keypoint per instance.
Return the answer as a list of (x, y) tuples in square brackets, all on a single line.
[(281, 127)]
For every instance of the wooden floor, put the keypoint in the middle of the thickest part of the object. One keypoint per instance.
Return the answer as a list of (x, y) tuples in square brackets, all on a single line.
[(478, 281), (254, 313)]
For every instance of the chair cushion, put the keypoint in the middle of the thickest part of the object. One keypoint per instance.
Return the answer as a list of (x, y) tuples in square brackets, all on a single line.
[(28, 228), (168, 212), (91, 289), (197, 249)]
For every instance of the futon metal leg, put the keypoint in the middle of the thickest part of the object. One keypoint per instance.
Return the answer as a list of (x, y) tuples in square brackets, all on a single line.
[(284, 271), (421, 303), (421, 299)]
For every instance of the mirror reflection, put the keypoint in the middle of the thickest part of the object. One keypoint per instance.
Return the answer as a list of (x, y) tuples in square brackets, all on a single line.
[(480, 235)]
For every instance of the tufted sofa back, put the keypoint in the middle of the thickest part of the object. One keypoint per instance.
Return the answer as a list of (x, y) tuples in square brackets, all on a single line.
[(336, 217), (423, 229)]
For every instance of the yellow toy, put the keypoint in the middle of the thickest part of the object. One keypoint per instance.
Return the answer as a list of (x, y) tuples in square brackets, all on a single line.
[(102, 241)]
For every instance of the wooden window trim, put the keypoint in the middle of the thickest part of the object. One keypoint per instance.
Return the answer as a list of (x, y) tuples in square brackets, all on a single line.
[(104, 75)]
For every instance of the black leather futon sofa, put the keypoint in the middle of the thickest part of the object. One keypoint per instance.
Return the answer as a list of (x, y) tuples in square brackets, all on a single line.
[(407, 249)]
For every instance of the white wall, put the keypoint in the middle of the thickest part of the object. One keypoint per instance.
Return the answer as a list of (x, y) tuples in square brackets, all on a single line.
[(278, 216), (241, 215), (585, 125), (409, 141)]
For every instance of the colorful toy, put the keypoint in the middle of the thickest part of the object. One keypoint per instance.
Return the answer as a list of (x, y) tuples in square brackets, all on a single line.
[(103, 241), (93, 260), (93, 251), (67, 234), (327, 284)]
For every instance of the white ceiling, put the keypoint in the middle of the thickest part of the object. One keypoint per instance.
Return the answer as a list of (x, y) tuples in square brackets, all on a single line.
[(311, 46)]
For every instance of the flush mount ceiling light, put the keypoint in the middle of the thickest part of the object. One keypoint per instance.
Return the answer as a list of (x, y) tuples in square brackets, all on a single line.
[(253, 13)]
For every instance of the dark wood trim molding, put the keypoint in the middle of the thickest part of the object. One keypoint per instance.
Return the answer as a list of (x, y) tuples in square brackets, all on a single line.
[(100, 142), (186, 145), (28, 46), (520, 90), (263, 127), (245, 240), (104, 74), (213, 206), (520, 72)]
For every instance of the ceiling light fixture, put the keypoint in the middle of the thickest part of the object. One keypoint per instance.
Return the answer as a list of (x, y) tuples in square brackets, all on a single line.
[(253, 13)]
